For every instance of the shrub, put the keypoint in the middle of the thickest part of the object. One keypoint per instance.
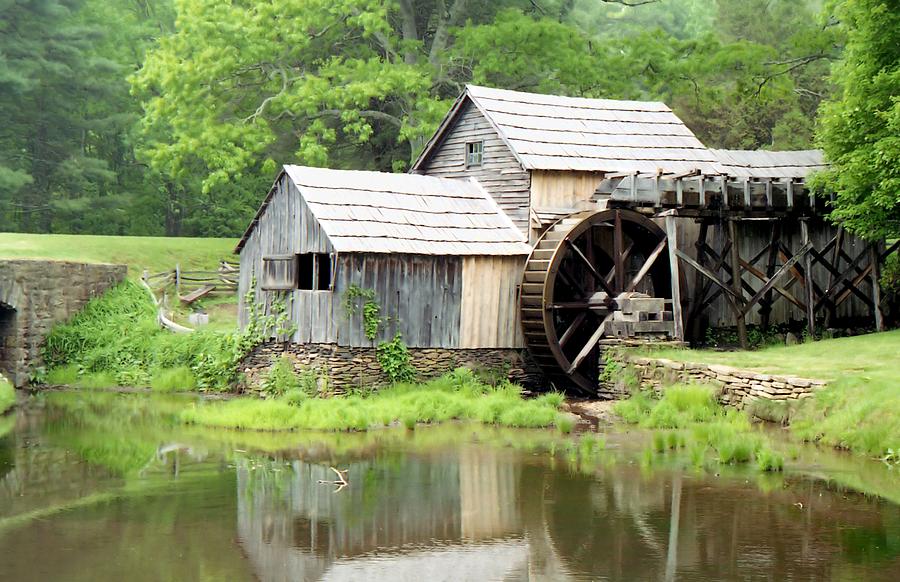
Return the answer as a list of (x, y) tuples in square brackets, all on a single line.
[(393, 357), (565, 424)]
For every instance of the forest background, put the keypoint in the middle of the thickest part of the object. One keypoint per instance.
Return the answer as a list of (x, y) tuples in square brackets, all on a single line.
[(170, 117)]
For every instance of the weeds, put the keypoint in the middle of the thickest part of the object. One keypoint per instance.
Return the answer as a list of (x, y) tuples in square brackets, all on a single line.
[(454, 396), (179, 379)]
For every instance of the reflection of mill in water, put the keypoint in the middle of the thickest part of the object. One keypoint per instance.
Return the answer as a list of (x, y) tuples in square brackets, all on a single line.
[(402, 518)]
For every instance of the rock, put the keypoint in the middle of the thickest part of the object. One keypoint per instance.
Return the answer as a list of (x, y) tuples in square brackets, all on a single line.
[(791, 339)]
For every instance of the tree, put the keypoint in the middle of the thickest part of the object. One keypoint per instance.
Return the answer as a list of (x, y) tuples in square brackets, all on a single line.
[(859, 129)]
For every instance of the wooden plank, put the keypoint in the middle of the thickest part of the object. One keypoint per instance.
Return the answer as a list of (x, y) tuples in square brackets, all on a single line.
[(672, 239), (809, 283), (590, 345), (648, 263), (710, 275), (199, 293), (739, 310)]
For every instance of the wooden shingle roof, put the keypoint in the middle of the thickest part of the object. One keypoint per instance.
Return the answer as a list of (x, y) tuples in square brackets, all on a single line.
[(377, 212), (549, 132), (766, 164)]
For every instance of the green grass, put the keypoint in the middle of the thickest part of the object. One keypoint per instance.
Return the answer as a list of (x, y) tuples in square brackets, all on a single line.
[(138, 252), (180, 379), (455, 396), (688, 417), (860, 408), (115, 340), (7, 395)]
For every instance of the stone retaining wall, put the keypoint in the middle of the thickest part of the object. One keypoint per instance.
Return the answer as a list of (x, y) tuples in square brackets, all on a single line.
[(347, 367), (736, 387), (35, 296)]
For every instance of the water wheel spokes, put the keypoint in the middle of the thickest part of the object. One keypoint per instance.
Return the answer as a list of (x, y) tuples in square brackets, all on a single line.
[(576, 272)]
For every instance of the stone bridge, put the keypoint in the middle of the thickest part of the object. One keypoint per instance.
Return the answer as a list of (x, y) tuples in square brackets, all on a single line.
[(36, 295)]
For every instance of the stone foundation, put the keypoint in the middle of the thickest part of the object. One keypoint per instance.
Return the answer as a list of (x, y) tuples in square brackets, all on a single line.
[(35, 296), (347, 368), (736, 388)]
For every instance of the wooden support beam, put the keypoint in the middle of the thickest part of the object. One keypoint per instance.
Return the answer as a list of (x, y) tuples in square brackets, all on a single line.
[(772, 247), (767, 286), (729, 291), (618, 251), (875, 258), (810, 291), (579, 319), (736, 278), (590, 268), (648, 264), (672, 240), (590, 345), (780, 290)]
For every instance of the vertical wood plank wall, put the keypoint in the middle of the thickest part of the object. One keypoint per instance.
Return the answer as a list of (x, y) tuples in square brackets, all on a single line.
[(500, 174), (490, 306), (286, 227), (420, 294)]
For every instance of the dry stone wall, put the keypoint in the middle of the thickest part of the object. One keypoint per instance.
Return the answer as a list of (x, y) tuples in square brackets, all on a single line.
[(35, 296), (736, 387), (351, 367)]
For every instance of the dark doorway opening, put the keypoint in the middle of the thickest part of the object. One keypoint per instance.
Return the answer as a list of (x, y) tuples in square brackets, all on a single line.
[(7, 340)]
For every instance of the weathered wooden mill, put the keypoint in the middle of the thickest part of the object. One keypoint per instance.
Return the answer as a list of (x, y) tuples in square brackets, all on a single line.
[(634, 228)]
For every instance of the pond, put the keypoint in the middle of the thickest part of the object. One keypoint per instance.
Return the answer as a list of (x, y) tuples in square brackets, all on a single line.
[(103, 486)]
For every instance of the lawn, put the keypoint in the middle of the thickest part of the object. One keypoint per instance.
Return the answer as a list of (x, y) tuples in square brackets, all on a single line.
[(860, 408), (138, 252)]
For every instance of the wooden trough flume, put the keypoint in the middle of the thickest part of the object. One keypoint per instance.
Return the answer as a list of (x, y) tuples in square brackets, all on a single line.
[(553, 224)]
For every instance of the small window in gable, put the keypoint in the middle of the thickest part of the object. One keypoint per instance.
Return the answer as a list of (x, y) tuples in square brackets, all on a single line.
[(315, 272), (278, 272), (474, 153)]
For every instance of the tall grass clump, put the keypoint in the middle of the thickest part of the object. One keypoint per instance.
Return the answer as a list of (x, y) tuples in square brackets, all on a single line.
[(455, 396), (179, 379), (680, 406), (7, 395), (117, 335)]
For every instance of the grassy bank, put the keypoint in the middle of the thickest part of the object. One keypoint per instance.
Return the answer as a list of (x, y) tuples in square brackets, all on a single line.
[(688, 417), (138, 252), (7, 395), (116, 341), (455, 396), (860, 408)]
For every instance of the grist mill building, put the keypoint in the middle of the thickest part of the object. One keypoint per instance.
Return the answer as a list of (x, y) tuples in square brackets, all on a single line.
[(533, 226)]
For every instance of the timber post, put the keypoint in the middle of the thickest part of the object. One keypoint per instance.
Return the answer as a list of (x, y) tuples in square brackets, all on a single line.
[(808, 281), (672, 234), (736, 278)]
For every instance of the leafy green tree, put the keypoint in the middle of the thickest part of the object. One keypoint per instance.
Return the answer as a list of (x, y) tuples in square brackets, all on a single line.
[(860, 127)]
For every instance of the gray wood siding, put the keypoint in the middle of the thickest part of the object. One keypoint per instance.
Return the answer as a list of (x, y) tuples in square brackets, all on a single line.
[(754, 236), (285, 227), (500, 173), (419, 294)]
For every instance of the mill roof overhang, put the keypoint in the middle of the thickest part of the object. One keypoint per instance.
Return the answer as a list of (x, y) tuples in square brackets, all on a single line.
[(377, 212)]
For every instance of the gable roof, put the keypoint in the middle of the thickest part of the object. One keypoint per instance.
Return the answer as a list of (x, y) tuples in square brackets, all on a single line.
[(766, 164), (378, 212), (549, 132)]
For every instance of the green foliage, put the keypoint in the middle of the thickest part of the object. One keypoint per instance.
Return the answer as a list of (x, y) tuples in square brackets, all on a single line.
[(860, 125), (280, 379), (180, 379), (565, 424), (769, 461), (7, 395), (371, 310), (453, 396), (117, 336), (393, 357)]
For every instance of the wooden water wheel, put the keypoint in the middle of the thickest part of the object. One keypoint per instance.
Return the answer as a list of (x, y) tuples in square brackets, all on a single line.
[(578, 271)]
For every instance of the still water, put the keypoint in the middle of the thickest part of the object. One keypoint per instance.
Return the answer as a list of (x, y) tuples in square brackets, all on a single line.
[(110, 487)]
